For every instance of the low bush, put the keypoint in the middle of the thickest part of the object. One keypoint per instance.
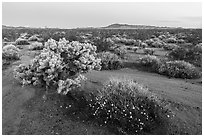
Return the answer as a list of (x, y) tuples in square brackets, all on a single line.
[(33, 38), (36, 46), (135, 49), (157, 44), (149, 42), (144, 45), (121, 51), (179, 69), (103, 44), (188, 54), (109, 61), (129, 107), (21, 41), (149, 51), (151, 62), (10, 52), (171, 40), (179, 53), (180, 41), (170, 46)]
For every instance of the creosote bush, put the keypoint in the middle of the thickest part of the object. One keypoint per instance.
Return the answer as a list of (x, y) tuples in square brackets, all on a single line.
[(151, 62), (188, 54), (21, 41), (33, 38), (60, 65), (179, 69), (170, 46), (127, 105), (36, 46), (121, 51), (149, 51), (10, 52), (109, 61)]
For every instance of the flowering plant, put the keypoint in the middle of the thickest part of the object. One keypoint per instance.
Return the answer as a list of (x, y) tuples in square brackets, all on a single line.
[(60, 64), (129, 106)]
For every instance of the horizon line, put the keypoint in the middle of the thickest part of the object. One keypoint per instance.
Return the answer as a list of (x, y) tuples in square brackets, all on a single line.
[(104, 26)]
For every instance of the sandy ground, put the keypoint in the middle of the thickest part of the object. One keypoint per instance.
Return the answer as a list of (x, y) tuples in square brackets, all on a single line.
[(25, 112)]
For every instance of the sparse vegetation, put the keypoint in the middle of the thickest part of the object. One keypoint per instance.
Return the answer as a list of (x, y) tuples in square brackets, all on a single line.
[(139, 103)]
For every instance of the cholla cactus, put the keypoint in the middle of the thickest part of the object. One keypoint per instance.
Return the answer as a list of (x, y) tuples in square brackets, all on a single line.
[(60, 64)]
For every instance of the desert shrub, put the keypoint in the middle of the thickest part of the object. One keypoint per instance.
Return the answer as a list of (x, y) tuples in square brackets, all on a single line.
[(40, 40), (144, 45), (162, 37), (151, 62), (124, 41), (170, 46), (135, 49), (157, 44), (179, 53), (109, 61), (103, 44), (171, 40), (129, 107), (72, 37), (149, 51), (121, 51), (6, 39), (179, 69), (189, 54), (33, 38), (128, 41), (21, 41), (10, 52), (5, 62), (129, 47), (36, 46), (149, 41), (60, 65), (180, 41)]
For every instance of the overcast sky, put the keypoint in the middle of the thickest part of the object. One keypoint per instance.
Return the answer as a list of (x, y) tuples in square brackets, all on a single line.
[(73, 15)]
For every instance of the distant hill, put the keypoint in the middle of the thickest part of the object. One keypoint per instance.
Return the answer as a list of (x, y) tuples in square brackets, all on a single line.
[(127, 26), (11, 27), (112, 26)]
